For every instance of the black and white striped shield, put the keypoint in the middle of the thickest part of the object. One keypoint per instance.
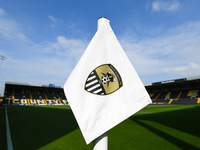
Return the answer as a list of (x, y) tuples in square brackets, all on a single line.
[(103, 80)]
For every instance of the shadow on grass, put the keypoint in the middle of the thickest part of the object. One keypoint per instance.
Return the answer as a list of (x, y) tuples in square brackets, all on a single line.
[(3, 144), (185, 120), (34, 127)]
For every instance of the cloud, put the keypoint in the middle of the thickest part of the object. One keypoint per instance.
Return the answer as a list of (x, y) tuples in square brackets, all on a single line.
[(31, 62), (158, 6), (2, 12), (189, 69), (9, 28), (55, 21), (174, 52), (52, 18), (61, 51), (44, 63), (75, 47), (37, 69), (62, 47)]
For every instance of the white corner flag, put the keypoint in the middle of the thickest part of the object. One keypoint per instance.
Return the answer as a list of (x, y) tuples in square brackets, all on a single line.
[(104, 88)]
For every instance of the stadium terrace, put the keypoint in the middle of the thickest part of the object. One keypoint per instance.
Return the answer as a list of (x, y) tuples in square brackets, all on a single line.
[(178, 91), (30, 94)]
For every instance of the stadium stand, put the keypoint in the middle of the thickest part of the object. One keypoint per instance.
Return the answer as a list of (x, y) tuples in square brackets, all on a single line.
[(29, 94), (1, 101), (179, 91)]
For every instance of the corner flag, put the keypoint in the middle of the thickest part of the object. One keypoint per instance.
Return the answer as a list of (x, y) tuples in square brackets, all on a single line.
[(104, 88)]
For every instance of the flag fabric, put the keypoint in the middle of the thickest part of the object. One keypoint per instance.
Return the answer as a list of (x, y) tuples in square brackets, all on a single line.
[(104, 88)]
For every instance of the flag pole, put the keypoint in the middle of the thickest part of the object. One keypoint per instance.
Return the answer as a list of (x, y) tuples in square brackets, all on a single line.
[(100, 21), (101, 142)]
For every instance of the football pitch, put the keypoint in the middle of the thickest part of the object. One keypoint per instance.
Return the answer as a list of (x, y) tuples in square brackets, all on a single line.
[(156, 127)]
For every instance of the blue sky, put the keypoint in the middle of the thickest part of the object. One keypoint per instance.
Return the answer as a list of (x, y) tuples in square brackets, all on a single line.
[(43, 40)]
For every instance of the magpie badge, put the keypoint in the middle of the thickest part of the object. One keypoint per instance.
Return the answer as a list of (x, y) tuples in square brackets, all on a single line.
[(103, 80)]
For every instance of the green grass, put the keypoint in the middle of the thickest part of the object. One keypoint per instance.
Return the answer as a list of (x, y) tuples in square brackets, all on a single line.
[(155, 127)]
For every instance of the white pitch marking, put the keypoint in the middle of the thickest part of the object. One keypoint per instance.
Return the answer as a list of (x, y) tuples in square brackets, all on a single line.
[(9, 140)]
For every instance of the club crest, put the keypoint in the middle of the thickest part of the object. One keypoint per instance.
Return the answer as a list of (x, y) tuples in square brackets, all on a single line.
[(103, 80)]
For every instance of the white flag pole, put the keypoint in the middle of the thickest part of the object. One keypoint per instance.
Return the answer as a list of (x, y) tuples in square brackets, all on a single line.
[(101, 142)]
